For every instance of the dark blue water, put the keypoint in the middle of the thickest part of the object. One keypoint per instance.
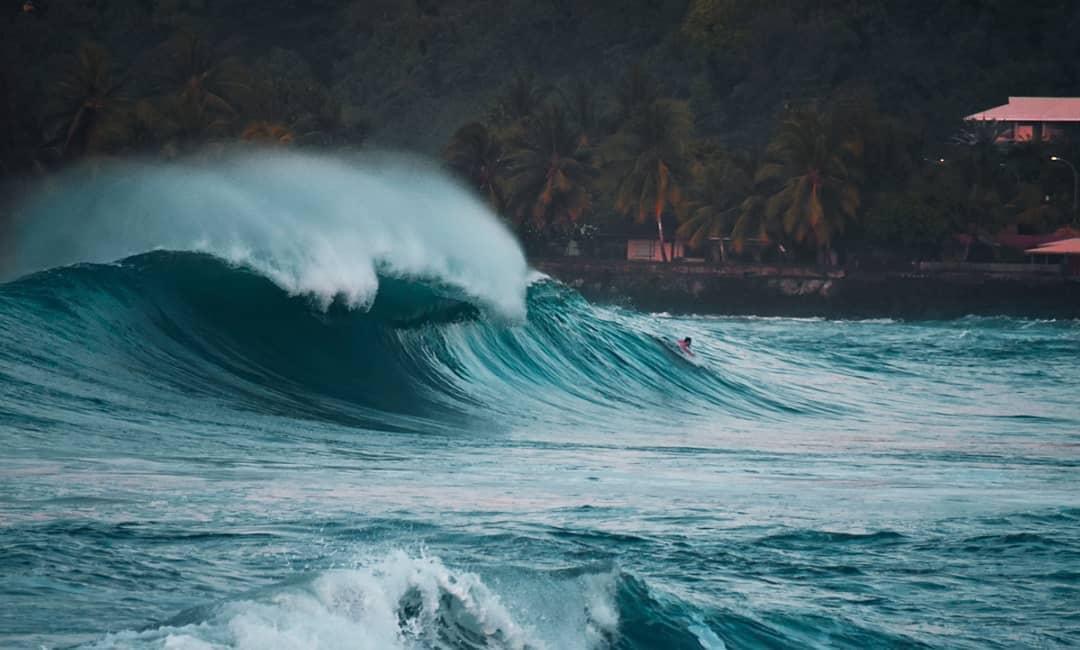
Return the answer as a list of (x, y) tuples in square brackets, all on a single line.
[(193, 457)]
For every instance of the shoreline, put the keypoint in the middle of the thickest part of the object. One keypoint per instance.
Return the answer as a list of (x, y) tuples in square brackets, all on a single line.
[(928, 292)]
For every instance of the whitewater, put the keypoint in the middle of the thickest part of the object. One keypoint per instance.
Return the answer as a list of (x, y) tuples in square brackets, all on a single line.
[(288, 401)]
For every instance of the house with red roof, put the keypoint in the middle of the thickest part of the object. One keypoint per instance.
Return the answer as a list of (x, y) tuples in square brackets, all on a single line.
[(1033, 119), (1066, 249)]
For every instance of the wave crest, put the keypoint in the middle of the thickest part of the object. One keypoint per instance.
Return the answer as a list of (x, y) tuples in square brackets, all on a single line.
[(398, 601), (316, 225)]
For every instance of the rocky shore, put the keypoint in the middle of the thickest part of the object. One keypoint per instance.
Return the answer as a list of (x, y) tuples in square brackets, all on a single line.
[(924, 292)]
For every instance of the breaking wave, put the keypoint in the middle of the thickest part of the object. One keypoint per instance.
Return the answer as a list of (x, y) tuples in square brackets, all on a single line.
[(320, 226), (193, 326), (360, 291), (402, 601)]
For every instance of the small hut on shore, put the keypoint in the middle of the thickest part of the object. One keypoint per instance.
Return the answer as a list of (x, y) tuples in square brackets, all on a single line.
[(1067, 249)]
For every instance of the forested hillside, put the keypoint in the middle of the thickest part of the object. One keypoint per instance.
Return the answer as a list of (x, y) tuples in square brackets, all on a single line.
[(701, 86)]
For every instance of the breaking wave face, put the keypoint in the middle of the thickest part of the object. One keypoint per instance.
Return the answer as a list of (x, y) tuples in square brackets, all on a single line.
[(332, 289), (172, 327), (395, 601), (319, 226)]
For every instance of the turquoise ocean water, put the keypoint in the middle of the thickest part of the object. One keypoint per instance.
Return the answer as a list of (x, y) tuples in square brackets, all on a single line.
[(318, 416)]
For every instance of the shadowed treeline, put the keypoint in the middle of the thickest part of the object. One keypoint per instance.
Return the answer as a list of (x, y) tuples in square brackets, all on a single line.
[(809, 124), (563, 163)]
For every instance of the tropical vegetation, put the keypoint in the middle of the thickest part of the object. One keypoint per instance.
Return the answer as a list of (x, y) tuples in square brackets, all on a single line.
[(800, 129)]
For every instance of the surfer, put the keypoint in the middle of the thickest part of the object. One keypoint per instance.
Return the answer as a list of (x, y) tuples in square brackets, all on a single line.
[(684, 345)]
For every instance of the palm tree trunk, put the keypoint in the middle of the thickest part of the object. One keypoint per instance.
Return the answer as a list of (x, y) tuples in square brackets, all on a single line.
[(660, 233)]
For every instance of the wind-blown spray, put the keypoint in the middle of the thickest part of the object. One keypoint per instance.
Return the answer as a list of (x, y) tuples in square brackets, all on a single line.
[(314, 225)]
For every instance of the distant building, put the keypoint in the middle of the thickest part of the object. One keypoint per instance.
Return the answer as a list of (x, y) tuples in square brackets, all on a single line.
[(642, 244), (648, 250), (1067, 250), (1033, 119)]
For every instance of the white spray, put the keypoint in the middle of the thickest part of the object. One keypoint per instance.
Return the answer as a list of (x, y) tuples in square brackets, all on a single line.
[(315, 225)]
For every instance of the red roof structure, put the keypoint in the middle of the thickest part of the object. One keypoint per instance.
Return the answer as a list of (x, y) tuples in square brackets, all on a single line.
[(1033, 109), (1024, 242), (1063, 247)]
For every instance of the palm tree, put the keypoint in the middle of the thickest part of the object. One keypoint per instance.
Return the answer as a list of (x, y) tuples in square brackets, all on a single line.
[(193, 119), (719, 192), (635, 91), (550, 171), (89, 103), (193, 85), (754, 222), (653, 157), (477, 155), (192, 70), (519, 101), (581, 103), (811, 178)]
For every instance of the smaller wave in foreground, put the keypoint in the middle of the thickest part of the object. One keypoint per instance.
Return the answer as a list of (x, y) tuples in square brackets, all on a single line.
[(416, 602)]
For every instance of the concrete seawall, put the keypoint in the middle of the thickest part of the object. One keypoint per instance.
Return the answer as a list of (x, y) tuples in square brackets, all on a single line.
[(804, 291)]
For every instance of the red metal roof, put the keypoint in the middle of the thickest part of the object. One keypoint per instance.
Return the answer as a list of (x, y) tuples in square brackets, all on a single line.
[(1063, 247), (1023, 242), (1033, 109)]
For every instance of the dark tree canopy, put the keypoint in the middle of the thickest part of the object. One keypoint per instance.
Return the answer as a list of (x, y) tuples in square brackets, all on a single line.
[(474, 80)]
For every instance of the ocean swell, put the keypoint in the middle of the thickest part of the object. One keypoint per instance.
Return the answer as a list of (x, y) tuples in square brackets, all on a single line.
[(192, 326)]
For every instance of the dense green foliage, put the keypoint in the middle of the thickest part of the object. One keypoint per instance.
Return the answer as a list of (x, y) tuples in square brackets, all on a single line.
[(810, 123)]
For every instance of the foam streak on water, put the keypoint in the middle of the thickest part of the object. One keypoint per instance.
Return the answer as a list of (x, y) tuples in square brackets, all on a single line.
[(197, 454)]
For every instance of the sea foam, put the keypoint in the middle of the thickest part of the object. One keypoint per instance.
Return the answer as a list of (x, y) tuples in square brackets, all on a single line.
[(322, 226), (398, 601)]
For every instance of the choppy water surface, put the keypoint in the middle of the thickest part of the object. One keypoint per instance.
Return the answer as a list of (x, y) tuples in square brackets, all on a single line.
[(194, 457)]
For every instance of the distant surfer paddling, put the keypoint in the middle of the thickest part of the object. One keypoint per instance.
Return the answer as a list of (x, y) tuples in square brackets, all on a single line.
[(684, 345)]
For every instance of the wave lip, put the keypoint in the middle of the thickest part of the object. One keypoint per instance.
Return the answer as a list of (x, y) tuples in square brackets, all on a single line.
[(321, 226)]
